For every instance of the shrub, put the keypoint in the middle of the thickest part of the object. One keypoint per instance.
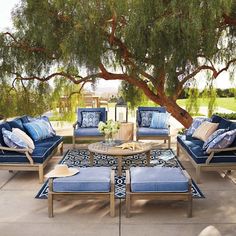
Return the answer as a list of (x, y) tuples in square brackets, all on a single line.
[(230, 116)]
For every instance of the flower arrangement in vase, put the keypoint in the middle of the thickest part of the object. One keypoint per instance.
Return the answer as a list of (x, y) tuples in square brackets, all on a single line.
[(109, 129)]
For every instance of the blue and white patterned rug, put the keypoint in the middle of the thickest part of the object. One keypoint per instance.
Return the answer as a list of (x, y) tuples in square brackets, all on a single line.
[(80, 158)]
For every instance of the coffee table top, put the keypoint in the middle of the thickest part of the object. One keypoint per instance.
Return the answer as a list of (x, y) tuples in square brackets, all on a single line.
[(102, 148)]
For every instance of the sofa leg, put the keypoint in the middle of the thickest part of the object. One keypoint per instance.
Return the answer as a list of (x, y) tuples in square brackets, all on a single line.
[(73, 139), (41, 176), (190, 204), (198, 174), (169, 141), (127, 202), (61, 149), (112, 205), (177, 150), (50, 205)]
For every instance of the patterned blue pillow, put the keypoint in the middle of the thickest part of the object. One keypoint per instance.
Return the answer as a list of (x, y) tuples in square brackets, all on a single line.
[(222, 141), (146, 118), (90, 119), (160, 120), (48, 124), (196, 123), (12, 140), (38, 130), (212, 137)]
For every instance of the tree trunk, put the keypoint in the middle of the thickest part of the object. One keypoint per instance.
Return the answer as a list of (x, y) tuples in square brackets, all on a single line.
[(178, 113)]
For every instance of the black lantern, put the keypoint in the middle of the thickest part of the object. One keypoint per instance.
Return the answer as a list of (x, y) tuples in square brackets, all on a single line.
[(121, 110)]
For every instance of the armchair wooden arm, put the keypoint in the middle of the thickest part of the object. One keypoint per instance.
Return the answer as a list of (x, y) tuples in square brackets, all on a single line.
[(26, 151), (75, 124), (213, 151)]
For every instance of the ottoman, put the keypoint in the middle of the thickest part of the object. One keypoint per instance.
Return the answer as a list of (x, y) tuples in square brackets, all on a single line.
[(158, 183), (91, 182)]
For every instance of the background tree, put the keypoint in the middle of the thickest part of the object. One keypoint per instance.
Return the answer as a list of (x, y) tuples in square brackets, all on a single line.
[(157, 46), (24, 97), (132, 95), (72, 98)]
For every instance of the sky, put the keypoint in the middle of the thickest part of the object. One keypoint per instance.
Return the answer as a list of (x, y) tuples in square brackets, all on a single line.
[(6, 7)]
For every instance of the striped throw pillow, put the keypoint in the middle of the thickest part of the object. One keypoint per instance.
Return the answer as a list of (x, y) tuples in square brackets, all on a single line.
[(38, 130)]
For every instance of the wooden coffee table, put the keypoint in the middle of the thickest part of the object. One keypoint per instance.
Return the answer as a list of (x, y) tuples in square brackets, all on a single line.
[(119, 153)]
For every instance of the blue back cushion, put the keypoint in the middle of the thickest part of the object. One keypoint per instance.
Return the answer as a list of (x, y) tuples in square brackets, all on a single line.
[(160, 120), (7, 127), (138, 115), (103, 115), (223, 123), (16, 123), (25, 119)]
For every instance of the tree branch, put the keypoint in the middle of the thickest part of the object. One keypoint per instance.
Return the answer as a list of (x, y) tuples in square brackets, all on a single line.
[(27, 47), (139, 83)]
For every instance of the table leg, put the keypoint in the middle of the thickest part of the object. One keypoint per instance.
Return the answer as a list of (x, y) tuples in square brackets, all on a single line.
[(91, 158), (119, 160), (148, 154)]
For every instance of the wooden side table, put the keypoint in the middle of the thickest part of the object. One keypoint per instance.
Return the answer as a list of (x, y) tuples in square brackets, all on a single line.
[(126, 131)]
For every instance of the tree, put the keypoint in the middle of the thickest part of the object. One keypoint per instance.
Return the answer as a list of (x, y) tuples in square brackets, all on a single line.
[(24, 97), (158, 46)]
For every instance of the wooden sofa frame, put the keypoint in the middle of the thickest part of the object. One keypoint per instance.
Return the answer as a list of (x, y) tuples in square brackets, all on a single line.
[(83, 195), (31, 166), (172, 196), (207, 166)]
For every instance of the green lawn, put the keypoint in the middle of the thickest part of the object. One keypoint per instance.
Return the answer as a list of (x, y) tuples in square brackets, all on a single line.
[(227, 103)]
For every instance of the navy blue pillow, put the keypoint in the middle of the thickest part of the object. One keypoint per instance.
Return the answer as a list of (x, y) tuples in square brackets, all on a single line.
[(25, 119), (17, 123), (7, 127), (223, 123)]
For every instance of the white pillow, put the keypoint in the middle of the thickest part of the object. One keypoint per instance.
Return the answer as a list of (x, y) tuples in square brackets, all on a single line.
[(205, 130), (22, 135)]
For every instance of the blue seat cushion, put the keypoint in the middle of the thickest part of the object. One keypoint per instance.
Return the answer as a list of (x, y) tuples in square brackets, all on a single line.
[(158, 179), (144, 131), (91, 179), (80, 132), (194, 149), (41, 152)]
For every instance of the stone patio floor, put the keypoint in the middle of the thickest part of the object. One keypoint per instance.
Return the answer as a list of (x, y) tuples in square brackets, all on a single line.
[(22, 214)]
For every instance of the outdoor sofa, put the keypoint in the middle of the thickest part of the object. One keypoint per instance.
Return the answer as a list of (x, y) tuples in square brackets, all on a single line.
[(218, 159), (22, 159), (88, 130), (143, 129)]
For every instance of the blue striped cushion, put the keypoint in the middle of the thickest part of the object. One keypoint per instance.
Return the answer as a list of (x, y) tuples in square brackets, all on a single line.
[(160, 120), (222, 141), (38, 130), (12, 140)]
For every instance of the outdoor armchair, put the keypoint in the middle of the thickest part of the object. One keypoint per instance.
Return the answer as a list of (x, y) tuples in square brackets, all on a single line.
[(143, 129), (86, 126)]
